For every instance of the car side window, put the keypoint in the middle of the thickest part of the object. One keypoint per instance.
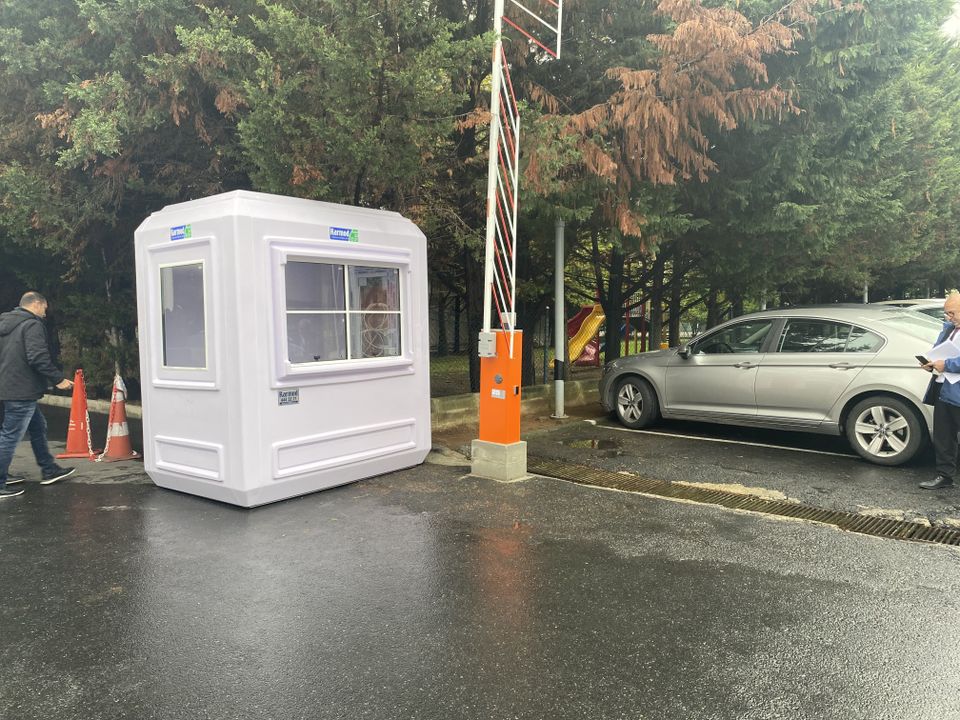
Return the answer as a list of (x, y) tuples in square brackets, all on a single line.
[(862, 340), (806, 335), (744, 337)]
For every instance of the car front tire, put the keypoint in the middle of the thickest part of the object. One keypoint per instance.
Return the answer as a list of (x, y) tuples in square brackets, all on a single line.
[(884, 430), (635, 403)]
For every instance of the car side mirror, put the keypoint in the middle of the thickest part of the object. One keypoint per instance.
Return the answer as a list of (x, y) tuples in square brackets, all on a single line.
[(684, 351)]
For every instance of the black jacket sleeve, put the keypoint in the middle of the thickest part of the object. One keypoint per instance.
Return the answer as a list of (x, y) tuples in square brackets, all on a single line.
[(38, 352)]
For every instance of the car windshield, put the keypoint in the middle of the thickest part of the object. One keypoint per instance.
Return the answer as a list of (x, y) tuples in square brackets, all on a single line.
[(913, 323)]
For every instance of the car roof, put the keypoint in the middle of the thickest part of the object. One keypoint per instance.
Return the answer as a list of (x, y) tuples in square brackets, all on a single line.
[(912, 302), (839, 311), (854, 313)]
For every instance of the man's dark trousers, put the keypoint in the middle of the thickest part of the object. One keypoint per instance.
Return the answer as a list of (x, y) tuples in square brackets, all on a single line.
[(946, 426), (24, 416)]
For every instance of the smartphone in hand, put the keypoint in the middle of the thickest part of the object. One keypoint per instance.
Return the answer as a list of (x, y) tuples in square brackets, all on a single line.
[(922, 359)]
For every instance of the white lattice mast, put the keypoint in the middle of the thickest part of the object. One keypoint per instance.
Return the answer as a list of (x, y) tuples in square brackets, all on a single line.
[(500, 266)]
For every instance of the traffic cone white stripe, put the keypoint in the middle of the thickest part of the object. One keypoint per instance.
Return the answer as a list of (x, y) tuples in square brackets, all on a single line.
[(117, 428)]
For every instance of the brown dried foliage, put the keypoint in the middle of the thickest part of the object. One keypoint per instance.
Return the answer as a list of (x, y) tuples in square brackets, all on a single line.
[(228, 101), (303, 174), (710, 75), (58, 120)]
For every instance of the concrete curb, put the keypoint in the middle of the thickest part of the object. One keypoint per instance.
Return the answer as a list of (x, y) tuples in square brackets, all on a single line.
[(446, 412)]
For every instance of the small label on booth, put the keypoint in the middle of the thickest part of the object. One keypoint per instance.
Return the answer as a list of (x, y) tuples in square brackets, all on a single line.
[(344, 234), (181, 232), (288, 397), (499, 394)]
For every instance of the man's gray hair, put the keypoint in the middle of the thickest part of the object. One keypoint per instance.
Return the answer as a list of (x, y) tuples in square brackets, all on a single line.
[(32, 297)]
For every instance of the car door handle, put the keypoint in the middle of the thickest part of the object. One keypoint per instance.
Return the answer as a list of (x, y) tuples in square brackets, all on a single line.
[(841, 366), (746, 364)]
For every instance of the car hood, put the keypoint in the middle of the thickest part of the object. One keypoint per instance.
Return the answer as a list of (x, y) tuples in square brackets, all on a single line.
[(656, 357)]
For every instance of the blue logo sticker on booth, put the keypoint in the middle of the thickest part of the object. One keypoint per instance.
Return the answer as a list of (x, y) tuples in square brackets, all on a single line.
[(288, 397), (180, 232), (344, 234)]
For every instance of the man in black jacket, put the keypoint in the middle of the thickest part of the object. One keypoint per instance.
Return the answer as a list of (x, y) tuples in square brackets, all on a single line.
[(26, 371)]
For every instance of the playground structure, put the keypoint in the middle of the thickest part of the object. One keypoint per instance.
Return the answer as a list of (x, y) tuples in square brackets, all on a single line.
[(635, 327), (583, 331)]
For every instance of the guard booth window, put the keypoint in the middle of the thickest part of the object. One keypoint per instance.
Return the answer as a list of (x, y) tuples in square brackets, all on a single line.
[(183, 316), (341, 312)]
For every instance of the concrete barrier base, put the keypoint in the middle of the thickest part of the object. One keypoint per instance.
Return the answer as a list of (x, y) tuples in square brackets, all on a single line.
[(495, 461)]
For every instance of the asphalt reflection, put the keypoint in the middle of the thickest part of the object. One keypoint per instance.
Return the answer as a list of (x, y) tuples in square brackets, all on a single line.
[(818, 470)]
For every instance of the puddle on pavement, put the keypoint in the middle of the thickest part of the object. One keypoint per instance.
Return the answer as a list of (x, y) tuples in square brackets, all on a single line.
[(611, 447)]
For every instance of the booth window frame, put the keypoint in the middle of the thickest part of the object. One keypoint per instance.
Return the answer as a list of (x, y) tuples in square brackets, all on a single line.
[(194, 251), (294, 250), (164, 335), (358, 335)]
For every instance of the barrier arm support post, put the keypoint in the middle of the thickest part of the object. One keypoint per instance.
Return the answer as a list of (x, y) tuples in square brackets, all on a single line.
[(498, 453)]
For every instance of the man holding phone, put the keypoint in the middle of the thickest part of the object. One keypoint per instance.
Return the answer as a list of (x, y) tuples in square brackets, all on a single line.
[(25, 372), (946, 410)]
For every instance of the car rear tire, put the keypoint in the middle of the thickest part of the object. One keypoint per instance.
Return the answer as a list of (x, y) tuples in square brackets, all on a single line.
[(884, 430), (635, 403)]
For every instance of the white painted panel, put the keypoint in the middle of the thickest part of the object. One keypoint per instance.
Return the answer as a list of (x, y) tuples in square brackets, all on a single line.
[(189, 457), (342, 447)]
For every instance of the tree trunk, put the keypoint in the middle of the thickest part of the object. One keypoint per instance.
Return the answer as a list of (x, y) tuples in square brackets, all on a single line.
[(656, 301), (474, 287), (713, 309), (441, 325), (676, 296), (527, 314), (612, 305), (113, 333), (736, 307), (457, 312)]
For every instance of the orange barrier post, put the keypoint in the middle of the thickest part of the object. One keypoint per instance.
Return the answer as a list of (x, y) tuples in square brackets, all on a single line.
[(500, 392), (118, 433), (78, 433)]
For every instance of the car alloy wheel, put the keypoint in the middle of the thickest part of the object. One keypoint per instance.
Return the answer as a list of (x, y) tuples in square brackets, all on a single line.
[(637, 404), (884, 430)]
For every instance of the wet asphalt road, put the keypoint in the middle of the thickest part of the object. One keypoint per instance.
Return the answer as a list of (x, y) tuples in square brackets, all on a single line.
[(812, 469), (427, 594), (431, 594)]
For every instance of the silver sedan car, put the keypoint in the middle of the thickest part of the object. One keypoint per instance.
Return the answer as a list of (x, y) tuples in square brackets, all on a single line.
[(836, 369)]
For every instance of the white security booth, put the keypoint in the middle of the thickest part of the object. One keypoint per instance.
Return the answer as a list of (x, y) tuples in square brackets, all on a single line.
[(284, 345)]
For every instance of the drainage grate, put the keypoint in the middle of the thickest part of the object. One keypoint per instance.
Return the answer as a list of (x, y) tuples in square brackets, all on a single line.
[(866, 525)]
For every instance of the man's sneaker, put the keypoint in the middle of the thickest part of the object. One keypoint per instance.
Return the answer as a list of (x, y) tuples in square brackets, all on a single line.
[(7, 492), (60, 473), (14, 480)]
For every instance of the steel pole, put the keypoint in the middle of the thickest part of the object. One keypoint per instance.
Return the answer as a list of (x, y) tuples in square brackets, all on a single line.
[(559, 325)]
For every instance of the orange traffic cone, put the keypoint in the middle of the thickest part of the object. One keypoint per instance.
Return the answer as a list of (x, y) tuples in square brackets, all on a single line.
[(118, 434), (78, 433)]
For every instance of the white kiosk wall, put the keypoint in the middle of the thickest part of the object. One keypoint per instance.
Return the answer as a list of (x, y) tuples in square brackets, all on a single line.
[(283, 345)]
